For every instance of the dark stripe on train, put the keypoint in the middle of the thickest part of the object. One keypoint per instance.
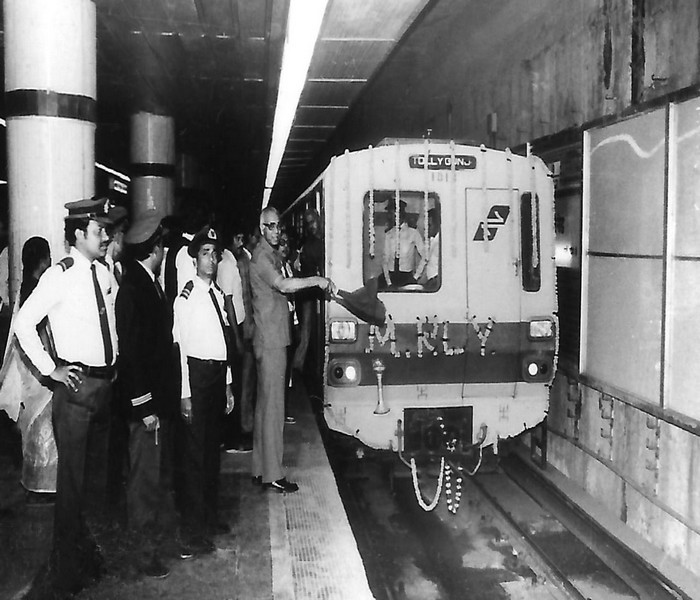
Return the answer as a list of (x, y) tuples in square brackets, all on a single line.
[(45, 103), (507, 351)]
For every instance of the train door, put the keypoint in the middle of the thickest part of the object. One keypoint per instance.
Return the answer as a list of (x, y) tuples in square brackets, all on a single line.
[(492, 278)]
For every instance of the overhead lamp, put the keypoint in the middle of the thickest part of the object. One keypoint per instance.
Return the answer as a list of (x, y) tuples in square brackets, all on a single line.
[(303, 25)]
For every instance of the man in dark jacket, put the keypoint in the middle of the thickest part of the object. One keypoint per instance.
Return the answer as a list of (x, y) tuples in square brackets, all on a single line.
[(146, 383)]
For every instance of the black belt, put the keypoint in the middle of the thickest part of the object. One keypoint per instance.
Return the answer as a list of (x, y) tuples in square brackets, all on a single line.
[(96, 372), (207, 361)]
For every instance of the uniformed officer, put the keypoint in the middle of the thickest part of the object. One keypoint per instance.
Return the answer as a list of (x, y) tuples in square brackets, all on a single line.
[(200, 330), (148, 391), (77, 295)]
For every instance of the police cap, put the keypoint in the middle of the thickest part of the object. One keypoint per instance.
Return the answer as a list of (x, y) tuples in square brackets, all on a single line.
[(96, 209), (146, 229), (206, 235), (117, 214)]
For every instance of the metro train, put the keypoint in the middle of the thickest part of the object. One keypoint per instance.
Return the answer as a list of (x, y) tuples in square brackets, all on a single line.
[(468, 351)]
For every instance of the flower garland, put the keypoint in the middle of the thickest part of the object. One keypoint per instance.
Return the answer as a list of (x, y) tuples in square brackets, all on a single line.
[(371, 219), (438, 490), (482, 335), (452, 503)]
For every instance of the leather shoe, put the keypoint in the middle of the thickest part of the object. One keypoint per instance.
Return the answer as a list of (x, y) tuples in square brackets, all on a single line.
[(240, 449), (202, 545), (282, 486), (185, 552), (155, 568), (220, 528)]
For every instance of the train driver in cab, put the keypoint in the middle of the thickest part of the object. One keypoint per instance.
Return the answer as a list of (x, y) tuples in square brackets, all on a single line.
[(429, 271), (403, 251)]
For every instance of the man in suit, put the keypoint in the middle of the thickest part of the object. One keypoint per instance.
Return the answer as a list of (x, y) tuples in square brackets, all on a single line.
[(147, 364)]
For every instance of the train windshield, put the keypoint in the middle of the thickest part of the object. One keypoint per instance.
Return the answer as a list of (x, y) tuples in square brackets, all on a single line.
[(401, 240)]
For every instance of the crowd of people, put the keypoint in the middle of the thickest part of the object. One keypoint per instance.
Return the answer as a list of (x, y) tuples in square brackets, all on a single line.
[(125, 358)]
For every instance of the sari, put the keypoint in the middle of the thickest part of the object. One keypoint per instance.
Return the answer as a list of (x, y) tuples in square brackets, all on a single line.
[(26, 398)]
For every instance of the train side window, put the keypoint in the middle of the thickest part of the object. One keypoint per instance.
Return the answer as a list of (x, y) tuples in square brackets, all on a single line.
[(411, 260), (530, 241)]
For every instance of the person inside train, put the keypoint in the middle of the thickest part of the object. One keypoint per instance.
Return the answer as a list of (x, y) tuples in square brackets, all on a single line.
[(429, 271), (404, 250)]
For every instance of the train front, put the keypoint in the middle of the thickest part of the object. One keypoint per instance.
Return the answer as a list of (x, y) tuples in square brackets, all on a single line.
[(456, 245)]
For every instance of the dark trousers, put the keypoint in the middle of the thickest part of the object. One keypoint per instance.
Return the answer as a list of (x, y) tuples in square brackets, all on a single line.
[(81, 429), (248, 385), (150, 505), (202, 445)]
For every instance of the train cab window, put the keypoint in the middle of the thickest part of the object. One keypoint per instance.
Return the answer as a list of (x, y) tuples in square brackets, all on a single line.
[(407, 261), (530, 241)]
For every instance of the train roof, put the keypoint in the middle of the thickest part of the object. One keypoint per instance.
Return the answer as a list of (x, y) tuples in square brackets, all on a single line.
[(390, 141)]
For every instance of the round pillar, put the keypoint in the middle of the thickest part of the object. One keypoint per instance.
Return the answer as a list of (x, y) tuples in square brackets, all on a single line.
[(50, 90), (152, 164)]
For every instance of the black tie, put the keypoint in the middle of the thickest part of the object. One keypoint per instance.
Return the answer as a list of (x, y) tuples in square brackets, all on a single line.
[(104, 323), (224, 329), (159, 289)]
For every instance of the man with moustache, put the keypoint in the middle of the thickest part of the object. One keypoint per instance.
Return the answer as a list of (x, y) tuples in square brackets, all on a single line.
[(200, 329), (77, 295), (271, 338), (148, 392)]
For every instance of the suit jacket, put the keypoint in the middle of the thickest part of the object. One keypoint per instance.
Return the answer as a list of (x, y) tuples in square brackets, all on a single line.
[(148, 370)]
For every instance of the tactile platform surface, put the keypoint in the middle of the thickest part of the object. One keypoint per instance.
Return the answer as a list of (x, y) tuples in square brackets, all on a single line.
[(322, 560)]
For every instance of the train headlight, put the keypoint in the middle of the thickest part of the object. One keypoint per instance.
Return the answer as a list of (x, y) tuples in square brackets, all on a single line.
[(541, 329), (344, 372), (536, 367), (343, 330)]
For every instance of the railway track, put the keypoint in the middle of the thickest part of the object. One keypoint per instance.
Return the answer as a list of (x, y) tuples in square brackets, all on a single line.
[(563, 545), (512, 538)]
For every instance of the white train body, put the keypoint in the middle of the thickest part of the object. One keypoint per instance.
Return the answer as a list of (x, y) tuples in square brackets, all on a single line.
[(464, 359)]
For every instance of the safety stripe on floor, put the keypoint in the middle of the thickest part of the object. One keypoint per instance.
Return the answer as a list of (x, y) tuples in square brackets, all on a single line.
[(314, 553)]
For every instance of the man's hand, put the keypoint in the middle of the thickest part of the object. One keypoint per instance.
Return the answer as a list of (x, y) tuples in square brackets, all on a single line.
[(151, 422), (68, 375), (332, 288), (186, 409), (230, 400)]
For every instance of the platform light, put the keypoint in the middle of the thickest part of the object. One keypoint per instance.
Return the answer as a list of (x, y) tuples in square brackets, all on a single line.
[(111, 171), (303, 25)]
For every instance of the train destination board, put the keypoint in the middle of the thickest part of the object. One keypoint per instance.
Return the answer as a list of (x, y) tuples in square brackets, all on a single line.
[(442, 161)]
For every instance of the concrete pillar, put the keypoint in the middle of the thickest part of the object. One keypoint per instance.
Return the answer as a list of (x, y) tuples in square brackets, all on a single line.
[(50, 90), (152, 164)]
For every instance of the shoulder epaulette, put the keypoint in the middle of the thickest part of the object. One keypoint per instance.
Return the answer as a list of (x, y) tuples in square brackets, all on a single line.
[(187, 290), (66, 263)]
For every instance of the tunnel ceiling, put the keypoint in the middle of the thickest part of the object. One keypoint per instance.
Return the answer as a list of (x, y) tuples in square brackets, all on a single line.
[(215, 64)]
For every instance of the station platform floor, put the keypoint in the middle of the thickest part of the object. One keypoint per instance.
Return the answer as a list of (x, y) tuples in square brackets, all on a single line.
[(282, 546)]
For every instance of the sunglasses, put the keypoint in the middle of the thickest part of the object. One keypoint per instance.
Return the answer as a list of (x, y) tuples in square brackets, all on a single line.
[(272, 226)]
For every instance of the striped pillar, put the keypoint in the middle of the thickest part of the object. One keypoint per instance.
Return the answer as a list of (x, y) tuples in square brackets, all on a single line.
[(50, 90), (152, 164)]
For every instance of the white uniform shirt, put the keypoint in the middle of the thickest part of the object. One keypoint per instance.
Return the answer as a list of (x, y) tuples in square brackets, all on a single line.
[(228, 278), (433, 266), (410, 243), (184, 266), (197, 329), (68, 298)]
